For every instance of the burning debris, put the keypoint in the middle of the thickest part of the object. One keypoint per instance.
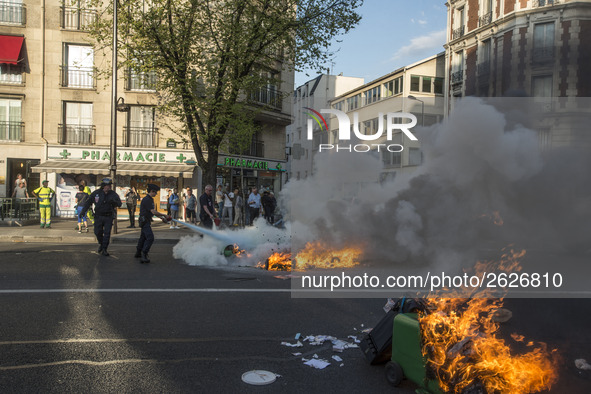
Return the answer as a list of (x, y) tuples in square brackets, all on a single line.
[(463, 352), (319, 255), (278, 261)]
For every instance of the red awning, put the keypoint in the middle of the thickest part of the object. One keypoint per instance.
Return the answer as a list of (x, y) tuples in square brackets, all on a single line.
[(10, 49)]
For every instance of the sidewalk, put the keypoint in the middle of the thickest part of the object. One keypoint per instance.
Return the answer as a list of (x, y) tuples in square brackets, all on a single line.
[(62, 230)]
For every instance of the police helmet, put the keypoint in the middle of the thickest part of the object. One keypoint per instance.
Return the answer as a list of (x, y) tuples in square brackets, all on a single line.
[(153, 187), (105, 182)]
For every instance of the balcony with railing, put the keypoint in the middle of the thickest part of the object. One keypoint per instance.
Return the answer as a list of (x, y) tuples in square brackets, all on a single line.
[(266, 96), (77, 77), (256, 149), (457, 33), (74, 18), (11, 74), (147, 137), (485, 19), (457, 77), (12, 131), (140, 81), (76, 134), (12, 13), (544, 3)]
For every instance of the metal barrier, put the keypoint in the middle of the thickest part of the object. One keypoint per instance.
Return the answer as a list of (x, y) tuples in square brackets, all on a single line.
[(18, 208)]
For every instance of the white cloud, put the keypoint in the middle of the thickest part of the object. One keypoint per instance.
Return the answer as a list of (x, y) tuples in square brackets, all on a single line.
[(431, 43), (422, 22)]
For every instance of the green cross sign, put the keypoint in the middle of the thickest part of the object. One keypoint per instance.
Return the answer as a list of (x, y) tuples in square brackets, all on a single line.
[(64, 154), (181, 158)]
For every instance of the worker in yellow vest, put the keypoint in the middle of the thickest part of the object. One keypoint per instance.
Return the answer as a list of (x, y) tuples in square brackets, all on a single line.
[(44, 194)]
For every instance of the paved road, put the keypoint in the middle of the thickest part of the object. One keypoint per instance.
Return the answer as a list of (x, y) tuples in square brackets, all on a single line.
[(73, 321)]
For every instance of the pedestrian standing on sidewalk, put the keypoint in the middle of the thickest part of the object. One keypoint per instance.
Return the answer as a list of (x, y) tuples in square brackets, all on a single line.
[(228, 206), (190, 206), (87, 190), (254, 205), (238, 206), (147, 211), (174, 203), (44, 194), (207, 210), (131, 199), (105, 201), (81, 198)]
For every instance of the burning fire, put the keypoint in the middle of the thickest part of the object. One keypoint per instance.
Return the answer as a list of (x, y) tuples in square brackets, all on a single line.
[(462, 350), (319, 255), (495, 216), (278, 261)]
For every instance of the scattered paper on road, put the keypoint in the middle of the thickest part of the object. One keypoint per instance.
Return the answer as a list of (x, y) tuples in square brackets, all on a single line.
[(298, 344), (337, 358), (317, 363)]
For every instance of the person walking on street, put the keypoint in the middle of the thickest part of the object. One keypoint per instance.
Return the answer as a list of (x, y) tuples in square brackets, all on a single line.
[(105, 201), (87, 190), (207, 210), (81, 198), (254, 205), (44, 194), (131, 199), (190, 206), (147, 211), (174, 203)]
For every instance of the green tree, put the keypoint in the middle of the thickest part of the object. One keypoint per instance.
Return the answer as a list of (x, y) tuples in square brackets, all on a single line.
[(211, 55)]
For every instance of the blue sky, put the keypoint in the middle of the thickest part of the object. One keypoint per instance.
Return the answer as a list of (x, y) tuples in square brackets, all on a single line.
[(391, 34)]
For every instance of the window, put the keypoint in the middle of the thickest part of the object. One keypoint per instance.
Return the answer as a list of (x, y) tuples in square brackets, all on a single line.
[(11, 74), (370, 126), (393, 159), (459, 22), (438, 85), (353, 102), (138, 79), (415, 157), (415, 83), (543, 41), (542, 86), (77, 14), (78, 128), (12, 12), (372, 95), (78, 69), (483, 66), (141, 130), (393, 87), (424, 84), (339, 106), (11, 125)]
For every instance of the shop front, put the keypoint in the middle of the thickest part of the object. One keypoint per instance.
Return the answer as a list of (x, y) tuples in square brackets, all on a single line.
[(67, 168), (245, 173)]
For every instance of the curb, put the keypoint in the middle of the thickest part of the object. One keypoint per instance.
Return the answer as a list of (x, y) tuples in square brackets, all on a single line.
[(74, 240)]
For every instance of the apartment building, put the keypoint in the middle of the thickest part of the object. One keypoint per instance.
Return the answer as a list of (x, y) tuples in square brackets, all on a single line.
[(55, 113), (315, 94), (523, 48), (417, 89)]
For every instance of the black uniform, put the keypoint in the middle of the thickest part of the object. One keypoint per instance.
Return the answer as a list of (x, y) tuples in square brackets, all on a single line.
[(147, 235), (104, 210), (206, 200)]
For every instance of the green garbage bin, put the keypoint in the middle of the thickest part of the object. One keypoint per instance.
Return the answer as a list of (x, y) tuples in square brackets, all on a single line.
[(407, 358)]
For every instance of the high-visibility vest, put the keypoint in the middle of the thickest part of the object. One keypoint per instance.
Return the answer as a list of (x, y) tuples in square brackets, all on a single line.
[(44, 194)]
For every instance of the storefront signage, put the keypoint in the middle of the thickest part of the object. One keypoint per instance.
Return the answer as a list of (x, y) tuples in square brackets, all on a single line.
[(246, 163), (127, 155)]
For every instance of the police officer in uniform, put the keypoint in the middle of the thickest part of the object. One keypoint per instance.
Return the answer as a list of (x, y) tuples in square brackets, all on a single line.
[(147, 211), (105, 202)]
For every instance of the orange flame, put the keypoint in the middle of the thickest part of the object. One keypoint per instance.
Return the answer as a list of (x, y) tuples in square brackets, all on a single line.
[(277, 262), (461, 348), (495, 216), (319, 255)]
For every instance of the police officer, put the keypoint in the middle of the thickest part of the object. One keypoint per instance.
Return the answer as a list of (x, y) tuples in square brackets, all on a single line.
[(105, 202), (147, 211)]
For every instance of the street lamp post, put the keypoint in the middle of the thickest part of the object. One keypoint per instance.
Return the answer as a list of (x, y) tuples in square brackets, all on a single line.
[(422, 109), (113, 151)]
